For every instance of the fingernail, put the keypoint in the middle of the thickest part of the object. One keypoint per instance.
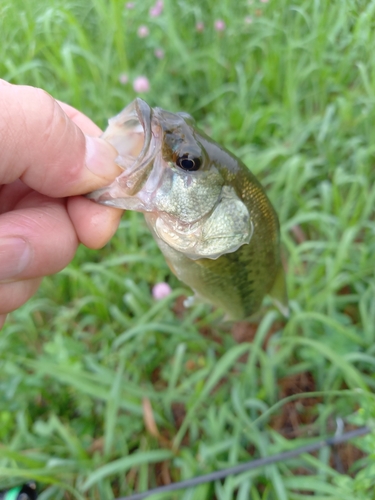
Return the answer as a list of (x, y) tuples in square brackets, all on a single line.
[(100, 158), (15, 255)]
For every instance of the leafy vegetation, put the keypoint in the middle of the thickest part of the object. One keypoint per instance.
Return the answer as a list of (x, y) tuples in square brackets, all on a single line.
[(105, 391)]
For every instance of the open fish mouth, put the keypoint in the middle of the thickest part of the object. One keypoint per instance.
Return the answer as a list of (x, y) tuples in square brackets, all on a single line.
[(135, 138)]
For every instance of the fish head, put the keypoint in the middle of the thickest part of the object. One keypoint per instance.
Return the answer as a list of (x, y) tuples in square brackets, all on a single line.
[(170, 177)]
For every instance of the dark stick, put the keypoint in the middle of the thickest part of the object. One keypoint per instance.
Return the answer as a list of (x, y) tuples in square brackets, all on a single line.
[(253, 464)]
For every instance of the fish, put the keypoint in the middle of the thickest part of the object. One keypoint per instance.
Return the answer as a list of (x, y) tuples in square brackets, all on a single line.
[(209, 215)]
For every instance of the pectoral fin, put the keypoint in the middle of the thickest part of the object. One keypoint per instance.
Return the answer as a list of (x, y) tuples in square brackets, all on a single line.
[(228, 227)]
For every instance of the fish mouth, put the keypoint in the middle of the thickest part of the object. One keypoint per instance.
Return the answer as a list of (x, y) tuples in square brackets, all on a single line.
[(134, 134)]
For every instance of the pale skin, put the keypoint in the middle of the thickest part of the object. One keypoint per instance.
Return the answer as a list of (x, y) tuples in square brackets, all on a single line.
[(50, 156)]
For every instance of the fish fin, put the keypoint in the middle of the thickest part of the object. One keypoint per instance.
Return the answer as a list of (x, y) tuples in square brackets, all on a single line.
[(190, 301), (279, 294)]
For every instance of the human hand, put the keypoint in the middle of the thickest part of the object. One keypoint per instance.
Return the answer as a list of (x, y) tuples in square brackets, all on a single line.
[(46, 163)]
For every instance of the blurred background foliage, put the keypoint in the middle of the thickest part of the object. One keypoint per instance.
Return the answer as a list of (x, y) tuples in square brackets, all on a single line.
[(103, 389)]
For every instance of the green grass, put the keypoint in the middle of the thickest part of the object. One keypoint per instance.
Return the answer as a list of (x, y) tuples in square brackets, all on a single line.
[(293, 94)]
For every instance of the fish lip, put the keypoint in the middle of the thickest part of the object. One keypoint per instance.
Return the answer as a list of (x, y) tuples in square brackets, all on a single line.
[(144, 113)]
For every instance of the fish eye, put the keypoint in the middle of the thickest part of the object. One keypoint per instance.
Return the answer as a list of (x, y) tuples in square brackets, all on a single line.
[(187, 163)]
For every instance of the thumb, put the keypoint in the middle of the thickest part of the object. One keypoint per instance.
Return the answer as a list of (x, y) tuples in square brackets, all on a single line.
[(45, 149)]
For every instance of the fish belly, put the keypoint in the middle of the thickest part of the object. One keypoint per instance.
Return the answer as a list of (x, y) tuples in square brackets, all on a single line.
[(232, 282)]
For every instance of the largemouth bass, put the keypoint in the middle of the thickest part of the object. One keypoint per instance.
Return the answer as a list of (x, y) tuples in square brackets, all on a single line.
[(207, 212)]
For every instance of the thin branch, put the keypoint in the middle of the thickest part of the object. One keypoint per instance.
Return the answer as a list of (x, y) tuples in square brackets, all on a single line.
[(253, 464)]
